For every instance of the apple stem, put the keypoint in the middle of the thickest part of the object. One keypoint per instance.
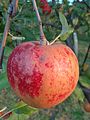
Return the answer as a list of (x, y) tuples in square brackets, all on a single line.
[(43, 40), (52, 42)]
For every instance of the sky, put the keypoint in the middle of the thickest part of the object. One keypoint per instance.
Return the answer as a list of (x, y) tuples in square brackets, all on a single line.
[(68, 0), (61, 1)]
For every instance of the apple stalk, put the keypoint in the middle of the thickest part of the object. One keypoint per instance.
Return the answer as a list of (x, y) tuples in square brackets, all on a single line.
[(43, 40)]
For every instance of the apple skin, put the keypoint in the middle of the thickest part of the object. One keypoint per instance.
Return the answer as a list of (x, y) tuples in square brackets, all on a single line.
[(42, 75)]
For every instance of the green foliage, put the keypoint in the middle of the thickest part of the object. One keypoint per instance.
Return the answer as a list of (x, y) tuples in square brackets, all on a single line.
[(3, 75), (66, 29), (15, 116), (79, 94), (75, 21), (22, 108), (87, 73), (3, 81), (7, 51), (22, 111), (85, 81)]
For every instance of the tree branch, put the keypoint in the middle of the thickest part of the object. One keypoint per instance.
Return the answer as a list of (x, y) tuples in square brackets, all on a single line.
[(15, 7), (42, 36), (86, 56), (83, 2), (11, 11), (4, 37)]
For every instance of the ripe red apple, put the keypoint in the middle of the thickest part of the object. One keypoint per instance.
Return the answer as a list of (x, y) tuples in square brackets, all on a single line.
[(46, 9), (42, 75)]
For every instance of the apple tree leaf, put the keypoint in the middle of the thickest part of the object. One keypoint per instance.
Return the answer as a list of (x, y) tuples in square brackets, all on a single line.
[(3, 81), (79, 94), (85, 81), (66, 29), (23, 108)]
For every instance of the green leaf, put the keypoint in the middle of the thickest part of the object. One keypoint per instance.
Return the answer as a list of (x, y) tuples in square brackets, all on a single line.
[(66, 29), (82, 29), (65, 35), (79, 94), (63, 22), (23, 108), (87, 73), (15, 116), (3, 81), (3, 75), (85, 81), (7, 51), (26, 110), (75, 21), (1, 27), (19, 105)]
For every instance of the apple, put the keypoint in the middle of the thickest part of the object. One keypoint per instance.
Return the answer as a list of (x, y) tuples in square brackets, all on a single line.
[(46, 9), (87, 106), (43, 75)]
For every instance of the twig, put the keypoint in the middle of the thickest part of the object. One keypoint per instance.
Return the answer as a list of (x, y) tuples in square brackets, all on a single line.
[(86, 4), (19, 12), (3, 109), (12, 110), (83, 2), (15, 6), (4, 39), (5, 114), (85, 90), (11, 12), (86, 56), (43, 40), (16, 37), (55, 40)]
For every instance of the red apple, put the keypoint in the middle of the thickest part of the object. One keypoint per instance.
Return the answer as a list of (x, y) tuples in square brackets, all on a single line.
[(42, 75), (46, 9)]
